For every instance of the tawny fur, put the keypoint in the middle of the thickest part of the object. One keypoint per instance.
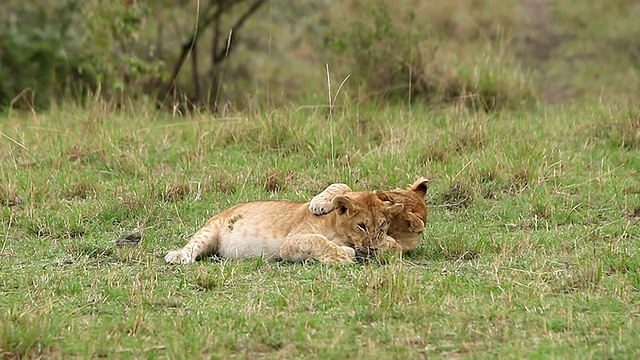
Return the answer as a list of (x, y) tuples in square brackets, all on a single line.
[(287, 230), (406, 227)]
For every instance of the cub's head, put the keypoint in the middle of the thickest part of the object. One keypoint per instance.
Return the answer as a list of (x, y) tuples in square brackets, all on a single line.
[(407, 226), (363, 219)]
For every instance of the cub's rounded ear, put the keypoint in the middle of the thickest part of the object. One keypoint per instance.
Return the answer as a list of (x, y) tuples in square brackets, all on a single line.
[(343, 205), (420, 186), (414, 223), (393, 209)]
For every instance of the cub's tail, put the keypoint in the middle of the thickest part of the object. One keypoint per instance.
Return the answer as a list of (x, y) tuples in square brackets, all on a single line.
[(203, 242)]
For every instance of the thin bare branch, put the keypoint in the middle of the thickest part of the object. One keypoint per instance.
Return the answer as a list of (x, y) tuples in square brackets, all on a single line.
[(223, 53)]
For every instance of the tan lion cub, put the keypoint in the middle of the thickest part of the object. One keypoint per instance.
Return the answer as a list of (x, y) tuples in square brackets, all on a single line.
[(406, 227), (287, 230)]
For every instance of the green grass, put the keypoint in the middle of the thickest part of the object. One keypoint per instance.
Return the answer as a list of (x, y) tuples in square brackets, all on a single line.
[(531, 247)]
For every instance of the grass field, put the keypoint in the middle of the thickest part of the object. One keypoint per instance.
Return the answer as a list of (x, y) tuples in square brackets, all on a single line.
[(531, 247)]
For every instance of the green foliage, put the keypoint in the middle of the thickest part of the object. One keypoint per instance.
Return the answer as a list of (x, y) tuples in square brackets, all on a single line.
[(384, 53), (396, 56), (483, 54), (32, 53), (68, 48), (122, 59)]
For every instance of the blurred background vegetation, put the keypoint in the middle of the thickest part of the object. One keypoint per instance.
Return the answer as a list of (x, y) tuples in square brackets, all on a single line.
[(238, 54)]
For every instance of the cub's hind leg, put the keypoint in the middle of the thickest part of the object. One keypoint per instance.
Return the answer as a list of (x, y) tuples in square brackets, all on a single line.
[(300, 247), (321, 203), (203, 242)]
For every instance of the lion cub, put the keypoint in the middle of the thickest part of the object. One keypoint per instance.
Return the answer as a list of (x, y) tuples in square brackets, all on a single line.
[(406, 227), (287, 230)]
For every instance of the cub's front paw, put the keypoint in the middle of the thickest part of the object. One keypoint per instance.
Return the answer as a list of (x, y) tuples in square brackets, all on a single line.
[(388, 244), (321, 203), (320, 208), (350, 251), (181, 256), (343, 256)]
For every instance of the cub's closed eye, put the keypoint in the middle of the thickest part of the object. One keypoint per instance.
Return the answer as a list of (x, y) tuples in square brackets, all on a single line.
[(362, 226)]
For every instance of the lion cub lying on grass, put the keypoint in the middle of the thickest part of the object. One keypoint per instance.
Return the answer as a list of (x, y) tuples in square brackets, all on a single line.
[(406, 227), (289, 231)]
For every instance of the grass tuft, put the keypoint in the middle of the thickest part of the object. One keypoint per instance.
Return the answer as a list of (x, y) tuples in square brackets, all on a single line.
[(468, 136), (80, 190), (388, 287), (89, 251), (583, 276), (210, 280), (459, 248), (273, 182), (27, 335), (620, 130), (519, 181), (175, 192), (458, 195), (9, 196)]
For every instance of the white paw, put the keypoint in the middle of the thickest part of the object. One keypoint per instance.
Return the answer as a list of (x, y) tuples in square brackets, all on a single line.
[(319, 207), (321, 204), (181, 256)]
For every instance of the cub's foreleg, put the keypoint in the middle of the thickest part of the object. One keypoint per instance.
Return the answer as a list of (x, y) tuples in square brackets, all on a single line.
[(203, 242), (321, 204), (299, 247)]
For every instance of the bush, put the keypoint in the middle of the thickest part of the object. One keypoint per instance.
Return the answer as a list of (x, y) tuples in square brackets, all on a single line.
[(394, 55), (66, 47), (384, 54), (31, 52)]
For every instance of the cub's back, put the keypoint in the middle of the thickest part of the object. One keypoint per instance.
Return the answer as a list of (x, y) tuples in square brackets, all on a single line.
[(257, 228), (268, 215)]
